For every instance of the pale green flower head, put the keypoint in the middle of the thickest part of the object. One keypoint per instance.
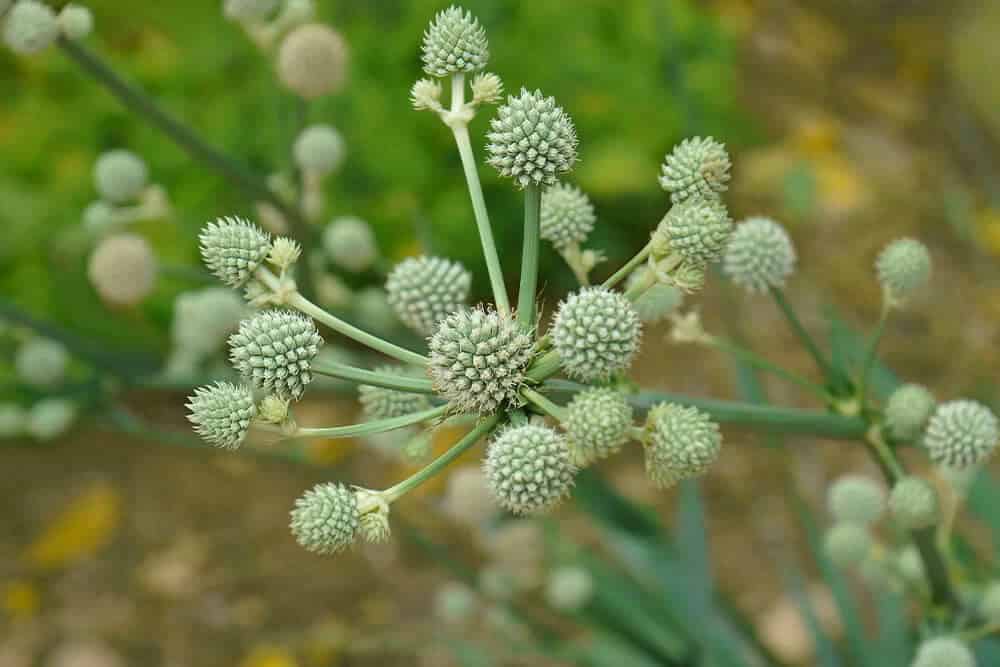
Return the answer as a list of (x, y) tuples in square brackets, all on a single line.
[(759, 256), (531, 140), (847, 544), (50, 418), (944, 652), (529, 468), (856, 499), (697, 167), (204, 318), (424, 290), (907, 411), (13, 420), (569, 588), (76, 21), (319, 149), (903, 268), (697, 229), (597, 424), (120, 176), (312, 61), (273, 351), (30, 27), (454, 43), (325, 520), (961, 434), (567, 216), (350, 244), (222, 413), (233, 248), (681, 443), (596, 332), (914, 504), (41, 362), (382, 403)]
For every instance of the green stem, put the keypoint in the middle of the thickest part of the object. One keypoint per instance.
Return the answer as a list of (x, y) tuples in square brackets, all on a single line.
[(831, 373), (372, 427), (982, 632), (753, 359), (375, 378), (544, 367), (395, 492), (870, 352), (529, 257), (622, 273), (544, 404)]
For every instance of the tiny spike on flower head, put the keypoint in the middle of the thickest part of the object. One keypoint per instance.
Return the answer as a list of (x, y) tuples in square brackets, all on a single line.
[(681, 443), (487, 88), (847, 544), (273, 350), (325, 519), (567, 216), (597, 424), (914, 504), (596, 332), (222, 413), (856, 499), (759, 255), (903, 267), (426, 94), (319, 149), (284, 252), (961, 433), (697, 167), (478, 359), (382, 403), (697, 229), (944, 652), (529, 468), (30, 27), (531, 140), (75, 21), (424, 290), (233, 248), (907, 411), (120, 175), (454, 43)]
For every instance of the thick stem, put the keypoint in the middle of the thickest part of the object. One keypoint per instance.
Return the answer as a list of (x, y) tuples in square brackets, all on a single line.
[(529, 257), (557, 412), (374, 378), (831, 374), (622, 273), (372, 427)]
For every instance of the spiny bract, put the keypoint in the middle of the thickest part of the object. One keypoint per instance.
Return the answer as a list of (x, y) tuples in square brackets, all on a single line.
[(856, 499), (382, 403), (961, 433), (597, 424), (531, 140), (233, 248), (567, 216), (680, 443), (478, 359), (944, 652), (696, 229), (697, 167), (596, 332), (273, 350), (759, 256), (325, 519), (454, 43), (913, 503), (424, 290), (222, 413), (907, 411), (903, 267), (529, 468)]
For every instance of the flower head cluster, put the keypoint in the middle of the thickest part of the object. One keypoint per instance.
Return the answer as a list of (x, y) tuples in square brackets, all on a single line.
[(759, 256), (120, 176), (680, 443), (598, 423), (944, 652), (123, 269), (596, 332), (312, 61), (30, 27), (697, 167), (454, 43), (567, 216), (903, 267), (222, 413), (41, 362), (856, 499), (75, 21), (319, 148), (913, 503), (532, 140), (350, 244), (424, 290), (273, 351), (696, 229), (907, 411), (233, 248), (529, 468), (326, 519), (961, 433), (847, 543)]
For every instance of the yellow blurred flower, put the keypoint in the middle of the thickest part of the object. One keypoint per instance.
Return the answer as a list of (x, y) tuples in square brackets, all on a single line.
[(84, 527)]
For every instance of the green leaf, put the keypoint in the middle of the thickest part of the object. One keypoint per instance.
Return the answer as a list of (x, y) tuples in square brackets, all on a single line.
[(848, 348)]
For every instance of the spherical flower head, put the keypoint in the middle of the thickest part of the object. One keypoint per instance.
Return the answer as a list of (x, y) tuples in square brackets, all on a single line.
[(697, 167), (913, 504), (350, 244), (319, 149), (569, 588), (273, 351), (325, 519), (233, 248), (454, 43), (487, 88), (454, 603), (697, 229), (203, 319), (903, 267), (13, 420), (41, 362), (50, 418), (312, 61), (120, 176), (75, 22), (99, 217), (222, 413), (382, 403), (424, 290), (596, 332), (989, 603), (426, 94), (597, 424), (910, 565), (961, 433), (531, 140), (856, 499), (123, 269), (371, 307), (478, 359), (907, 411), (529, 468), (681, 443), (847, 544), (759, 255), (30, 27), (249, 11), (944, 652), (567, 216)]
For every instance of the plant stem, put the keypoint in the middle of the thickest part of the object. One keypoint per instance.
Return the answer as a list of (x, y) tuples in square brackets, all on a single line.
[(544, 404), (374, 378), (529, 257), (753, 359), (545, 366), (461, 132), (975, 634), (393, 493), (831, 374), (372, 427), (870, 353), (622, 273)]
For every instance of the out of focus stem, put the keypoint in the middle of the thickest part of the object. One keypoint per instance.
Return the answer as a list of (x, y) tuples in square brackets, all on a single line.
[(829, 372), (622, 273)]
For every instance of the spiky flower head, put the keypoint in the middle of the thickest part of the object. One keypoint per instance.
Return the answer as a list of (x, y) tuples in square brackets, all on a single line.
[(487, 88), (680, 443), (41, 362), (350, 243), (531, 140), (847, 544), (50, 418), (273, 351), (312, 61), (597, 424), (233, 248), (123, 269), (120, 176), (529, 468), (759, 255), (697, 229), (961, 433), (454, 43), (569, 588), (567, 216), (204, 318), (697, 167), (273, 410), (989, 603), (914, 504), (75, 21), (478, 359), (319, 149), (657, 302), (903, 267), (382, 403), (284, 252), (30, 27), (907, 411), (424, 290), (944, 652), (856, 499), (13, 420), (596, 332), (222, 413), (426, 94), (325, 519), (249, 11)]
